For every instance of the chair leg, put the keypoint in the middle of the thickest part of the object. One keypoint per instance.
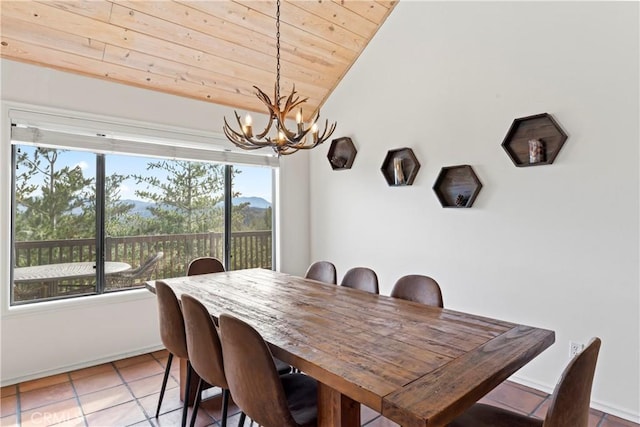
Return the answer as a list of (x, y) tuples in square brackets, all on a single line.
[(225, 406), (243, 416), (196, 403), (164, 382), (185, 407)]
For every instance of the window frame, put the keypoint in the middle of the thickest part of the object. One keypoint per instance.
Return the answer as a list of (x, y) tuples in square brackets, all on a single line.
[(110, 135)]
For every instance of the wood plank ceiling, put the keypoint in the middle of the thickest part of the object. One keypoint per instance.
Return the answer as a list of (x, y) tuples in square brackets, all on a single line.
[(208, 50)]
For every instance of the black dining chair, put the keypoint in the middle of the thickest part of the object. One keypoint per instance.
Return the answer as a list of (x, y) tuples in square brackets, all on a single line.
[(570, 400)]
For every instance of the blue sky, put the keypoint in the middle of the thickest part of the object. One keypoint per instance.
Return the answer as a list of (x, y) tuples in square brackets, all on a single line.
[(253, 181)]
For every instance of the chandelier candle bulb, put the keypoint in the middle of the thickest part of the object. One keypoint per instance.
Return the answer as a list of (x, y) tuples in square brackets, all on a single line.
[(247, 126), (299, 121)]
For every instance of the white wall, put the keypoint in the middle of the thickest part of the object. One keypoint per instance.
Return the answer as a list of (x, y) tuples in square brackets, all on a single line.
[(553, 246), (42, 339)]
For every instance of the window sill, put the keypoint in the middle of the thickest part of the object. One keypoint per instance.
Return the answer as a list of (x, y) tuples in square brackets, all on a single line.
[(76, 303)]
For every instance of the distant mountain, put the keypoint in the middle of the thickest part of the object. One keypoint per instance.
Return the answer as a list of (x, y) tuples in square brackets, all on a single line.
[(254, 202), (141, 208)]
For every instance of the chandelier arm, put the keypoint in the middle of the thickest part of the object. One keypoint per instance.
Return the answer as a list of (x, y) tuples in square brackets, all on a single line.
[(240, 138), (330, 129), (294, 137), (238, 142)]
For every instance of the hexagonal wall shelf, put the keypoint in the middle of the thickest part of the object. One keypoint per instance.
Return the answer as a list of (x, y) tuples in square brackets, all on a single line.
[(457, 186), (341, 153), (400, 167), (534, 140)]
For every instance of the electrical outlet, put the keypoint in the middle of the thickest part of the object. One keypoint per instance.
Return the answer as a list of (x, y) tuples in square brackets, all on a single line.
[(575, 348)]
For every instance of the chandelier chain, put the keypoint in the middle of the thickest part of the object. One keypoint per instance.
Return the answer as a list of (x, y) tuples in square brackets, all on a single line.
[(277, 51), (304, 136)]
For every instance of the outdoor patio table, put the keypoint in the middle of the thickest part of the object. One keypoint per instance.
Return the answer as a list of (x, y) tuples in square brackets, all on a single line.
[(51, 273), (64, 270), (416, 365)]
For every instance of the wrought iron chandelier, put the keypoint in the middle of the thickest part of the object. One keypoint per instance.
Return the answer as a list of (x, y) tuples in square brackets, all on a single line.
[(284, 141)]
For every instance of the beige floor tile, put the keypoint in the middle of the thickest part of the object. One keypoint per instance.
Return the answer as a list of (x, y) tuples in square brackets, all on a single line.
[(55, 413), (10, 421), (611, 421), (141, 370), (97, 382), (104, 399), (173, 418), (170, 402), (45, 396), (160, 354), (150, 385), (120, 415), (43, 382), (367, 414), (122, 363), (514, 396), (382, 422), (93, 370), (9, 390), (8, 405)]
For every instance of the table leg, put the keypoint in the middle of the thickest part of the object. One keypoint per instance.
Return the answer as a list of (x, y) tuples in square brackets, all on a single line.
[(335, 409)]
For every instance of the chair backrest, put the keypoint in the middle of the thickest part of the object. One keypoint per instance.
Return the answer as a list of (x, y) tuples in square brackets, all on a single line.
[(204, 265), (172, 330), (571, 398), (251, 374), (322, 271), (203, 342), (362, 278), (147, 265), (418, 288)]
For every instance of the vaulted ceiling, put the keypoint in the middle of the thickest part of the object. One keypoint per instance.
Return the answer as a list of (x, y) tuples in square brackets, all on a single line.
[(213, 51)]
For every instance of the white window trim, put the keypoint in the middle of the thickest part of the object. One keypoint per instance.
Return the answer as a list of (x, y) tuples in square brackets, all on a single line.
[(163, 140)]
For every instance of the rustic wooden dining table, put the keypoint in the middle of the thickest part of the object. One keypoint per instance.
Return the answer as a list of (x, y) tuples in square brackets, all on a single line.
[(414, 364)]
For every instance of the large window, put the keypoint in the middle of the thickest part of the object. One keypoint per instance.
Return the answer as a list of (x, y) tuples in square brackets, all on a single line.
[(87, 222)]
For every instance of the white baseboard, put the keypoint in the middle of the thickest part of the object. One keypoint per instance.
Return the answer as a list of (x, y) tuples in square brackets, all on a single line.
[(607, 408), (80, 365)]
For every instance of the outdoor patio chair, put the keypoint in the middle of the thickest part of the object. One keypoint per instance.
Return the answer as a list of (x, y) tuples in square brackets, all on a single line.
[(128, 278)]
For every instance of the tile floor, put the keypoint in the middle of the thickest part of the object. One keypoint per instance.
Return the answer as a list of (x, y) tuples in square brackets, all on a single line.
[(125, 393)]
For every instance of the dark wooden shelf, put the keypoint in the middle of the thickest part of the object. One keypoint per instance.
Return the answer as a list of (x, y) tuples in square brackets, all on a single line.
[(409, 165), (457, 186), (541, 127), (341, 153)]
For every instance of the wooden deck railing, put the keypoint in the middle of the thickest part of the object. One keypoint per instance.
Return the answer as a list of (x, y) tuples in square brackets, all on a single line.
[(249, 249)]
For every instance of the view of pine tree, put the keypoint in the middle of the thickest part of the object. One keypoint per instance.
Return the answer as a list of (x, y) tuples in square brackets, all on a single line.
[(117, 213), (188, 200), (51, 200)]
